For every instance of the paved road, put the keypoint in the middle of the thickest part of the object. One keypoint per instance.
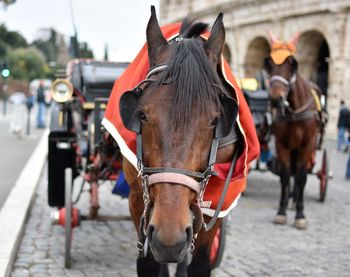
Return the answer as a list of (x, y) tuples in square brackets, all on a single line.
[(255, 247), (14, 152)]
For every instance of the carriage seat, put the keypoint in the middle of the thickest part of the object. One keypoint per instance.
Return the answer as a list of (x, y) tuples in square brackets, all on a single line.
[(258, 100)]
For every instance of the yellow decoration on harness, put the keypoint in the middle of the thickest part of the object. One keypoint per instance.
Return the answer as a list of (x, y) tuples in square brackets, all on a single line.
[(317, 99)]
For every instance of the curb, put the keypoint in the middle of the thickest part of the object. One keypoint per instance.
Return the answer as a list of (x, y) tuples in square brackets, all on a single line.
[(14, 213)]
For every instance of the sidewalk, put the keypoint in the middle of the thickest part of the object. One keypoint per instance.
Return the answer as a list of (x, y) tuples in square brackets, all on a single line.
[(14, 151)]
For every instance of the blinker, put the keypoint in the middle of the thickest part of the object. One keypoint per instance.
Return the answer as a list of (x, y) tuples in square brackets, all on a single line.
[(128, 107)]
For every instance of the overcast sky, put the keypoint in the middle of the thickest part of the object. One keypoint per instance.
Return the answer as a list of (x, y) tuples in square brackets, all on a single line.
[(119, 23)]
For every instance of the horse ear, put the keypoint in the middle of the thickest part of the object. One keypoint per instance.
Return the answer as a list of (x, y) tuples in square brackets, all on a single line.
[(215, 43), (155, 38), (295, 39), (272, 38)]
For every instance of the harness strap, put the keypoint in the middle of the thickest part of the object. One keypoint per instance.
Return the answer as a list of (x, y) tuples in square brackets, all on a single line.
[(190, 173), (174, 178), (230, 139), (211, 223), (156, 69), (283, 80), (293, 117), (316, 98)]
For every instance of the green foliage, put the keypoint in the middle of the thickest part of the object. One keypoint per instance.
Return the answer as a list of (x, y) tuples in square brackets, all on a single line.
[(105, 56), (8, 2), (3, 48), (27, 64), (30, 62), (11, 39), (85, 51)]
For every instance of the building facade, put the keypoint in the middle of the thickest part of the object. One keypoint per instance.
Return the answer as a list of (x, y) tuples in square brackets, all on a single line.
[(323, 51)]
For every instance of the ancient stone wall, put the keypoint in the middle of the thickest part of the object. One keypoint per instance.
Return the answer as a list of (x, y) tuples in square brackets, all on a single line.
[(323, 51)]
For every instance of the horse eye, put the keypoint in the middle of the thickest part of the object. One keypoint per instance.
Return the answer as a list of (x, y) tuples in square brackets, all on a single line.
[(214, 122), (142, 116)]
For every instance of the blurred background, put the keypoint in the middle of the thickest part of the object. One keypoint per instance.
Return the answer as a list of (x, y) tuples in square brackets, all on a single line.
[(37, 37)]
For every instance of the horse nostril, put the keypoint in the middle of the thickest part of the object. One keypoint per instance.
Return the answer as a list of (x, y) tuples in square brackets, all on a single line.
[(189, 234), (150, 231)]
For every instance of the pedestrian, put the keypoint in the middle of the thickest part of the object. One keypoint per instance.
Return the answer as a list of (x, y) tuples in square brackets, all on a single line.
[(342, 124), (41, 101), (30, 103), (347, 127), (17, 123)]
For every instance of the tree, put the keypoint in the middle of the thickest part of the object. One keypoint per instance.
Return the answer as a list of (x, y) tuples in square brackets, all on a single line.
[(10, 39), (85, 51), (106, 58), (7, 2), (27, 64), (48, 46)]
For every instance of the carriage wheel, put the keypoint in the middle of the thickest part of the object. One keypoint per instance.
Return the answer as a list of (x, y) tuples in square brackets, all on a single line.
[(218, 245), (324, 175), (68, 217)]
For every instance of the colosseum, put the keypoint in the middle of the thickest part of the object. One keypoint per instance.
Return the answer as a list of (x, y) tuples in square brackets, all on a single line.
[(323, 51)]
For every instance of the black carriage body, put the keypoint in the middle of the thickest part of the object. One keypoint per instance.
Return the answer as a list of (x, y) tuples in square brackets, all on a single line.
[(95, 79), (71, 136), (258, 102), (62, 155)]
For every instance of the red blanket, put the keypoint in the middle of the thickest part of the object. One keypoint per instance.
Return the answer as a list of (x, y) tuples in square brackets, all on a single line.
[(126, 139)]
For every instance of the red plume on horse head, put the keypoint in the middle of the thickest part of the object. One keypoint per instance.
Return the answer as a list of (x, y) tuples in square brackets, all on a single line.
[(281, 50)]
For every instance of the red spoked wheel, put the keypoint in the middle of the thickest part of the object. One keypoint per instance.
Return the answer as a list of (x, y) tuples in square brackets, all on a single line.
[(218, 245), (323, 175)]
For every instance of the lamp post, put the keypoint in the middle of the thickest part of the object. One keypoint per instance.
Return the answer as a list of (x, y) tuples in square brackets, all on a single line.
[(5, 73)]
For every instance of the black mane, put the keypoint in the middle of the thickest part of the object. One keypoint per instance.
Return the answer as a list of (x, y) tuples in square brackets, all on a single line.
[(196, 85)]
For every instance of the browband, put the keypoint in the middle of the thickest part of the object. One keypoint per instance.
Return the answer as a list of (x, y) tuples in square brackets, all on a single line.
[(174, 178)]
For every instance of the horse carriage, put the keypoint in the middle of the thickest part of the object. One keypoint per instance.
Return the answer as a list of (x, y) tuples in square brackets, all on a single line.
[(78, 145), (290, 120)]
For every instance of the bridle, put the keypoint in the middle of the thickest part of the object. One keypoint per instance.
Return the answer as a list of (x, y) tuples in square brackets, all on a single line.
[(286, 83), (193, 180), (299, 114)]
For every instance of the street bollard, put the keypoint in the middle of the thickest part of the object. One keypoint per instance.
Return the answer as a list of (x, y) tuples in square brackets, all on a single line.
[(28, 120)]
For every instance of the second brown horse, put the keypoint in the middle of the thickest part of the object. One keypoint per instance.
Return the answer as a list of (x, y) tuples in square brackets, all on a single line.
[(296, 125)]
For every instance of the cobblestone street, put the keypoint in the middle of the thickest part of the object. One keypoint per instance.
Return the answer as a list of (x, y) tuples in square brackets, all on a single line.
[(254, 247)]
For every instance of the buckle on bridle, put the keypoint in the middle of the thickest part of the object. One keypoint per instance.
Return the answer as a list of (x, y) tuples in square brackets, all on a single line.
[(179, 39)]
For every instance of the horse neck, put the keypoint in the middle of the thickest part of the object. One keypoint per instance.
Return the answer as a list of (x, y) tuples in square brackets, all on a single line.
[(299, 94)]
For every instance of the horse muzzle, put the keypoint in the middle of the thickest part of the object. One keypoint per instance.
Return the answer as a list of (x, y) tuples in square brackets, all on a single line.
[(173, 253)]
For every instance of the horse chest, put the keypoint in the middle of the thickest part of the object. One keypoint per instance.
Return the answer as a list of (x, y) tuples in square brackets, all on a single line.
[(291, 135)]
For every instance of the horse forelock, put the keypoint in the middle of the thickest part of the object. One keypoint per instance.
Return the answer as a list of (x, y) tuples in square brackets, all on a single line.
[(194, 30), (195, 85)]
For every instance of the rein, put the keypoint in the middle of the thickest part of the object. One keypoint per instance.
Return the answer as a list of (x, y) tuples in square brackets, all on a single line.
[(195, 181)]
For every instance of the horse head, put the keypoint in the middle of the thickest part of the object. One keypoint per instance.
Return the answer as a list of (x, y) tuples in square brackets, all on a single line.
[(179, 111), (282, 68)]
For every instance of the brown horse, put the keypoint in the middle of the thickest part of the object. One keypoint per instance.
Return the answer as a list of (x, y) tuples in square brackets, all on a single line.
[(295, 126), (179, 112)]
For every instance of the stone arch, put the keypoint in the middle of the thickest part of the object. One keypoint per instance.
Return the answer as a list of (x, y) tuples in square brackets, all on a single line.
[(313, 55), (258, 49)]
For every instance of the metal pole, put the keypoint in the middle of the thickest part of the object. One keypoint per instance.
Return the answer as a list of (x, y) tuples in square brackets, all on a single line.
[(28, 120), (4, 91), (76, 44)]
